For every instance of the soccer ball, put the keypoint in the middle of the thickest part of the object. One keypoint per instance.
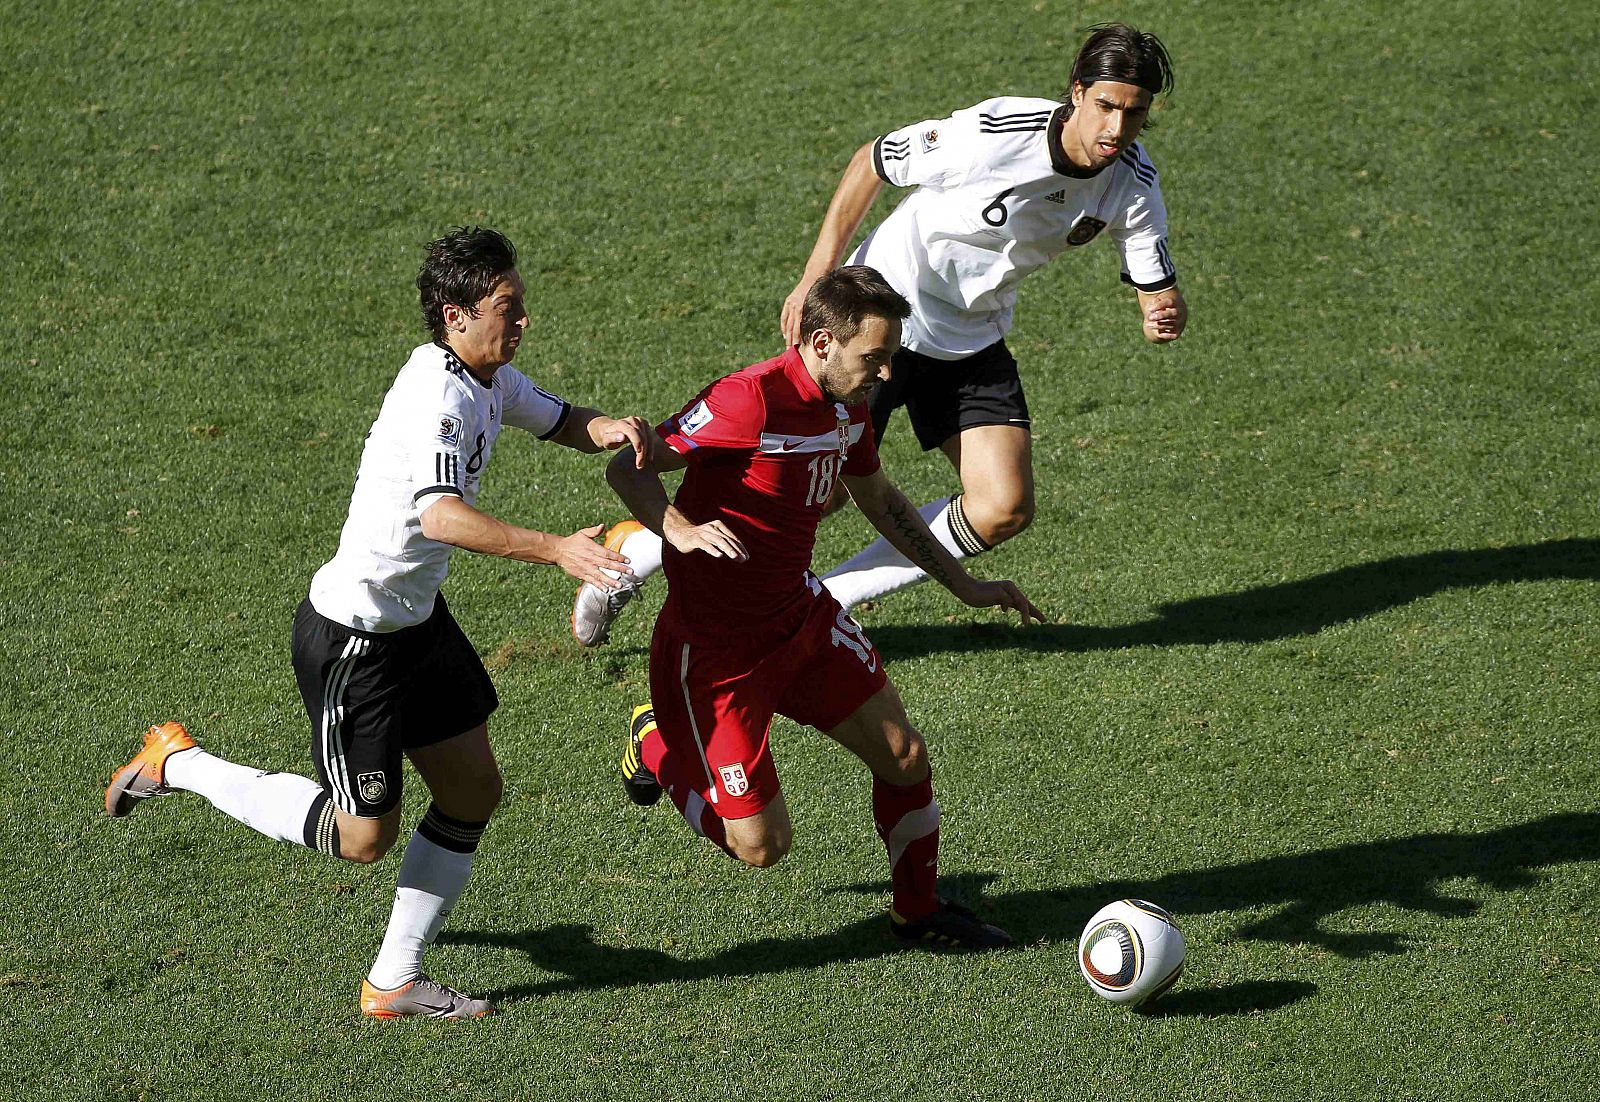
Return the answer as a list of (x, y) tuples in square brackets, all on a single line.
[(1131, 952)]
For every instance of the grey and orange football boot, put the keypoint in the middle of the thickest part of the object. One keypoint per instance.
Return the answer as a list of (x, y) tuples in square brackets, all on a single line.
[(146, 774), (421, 998)]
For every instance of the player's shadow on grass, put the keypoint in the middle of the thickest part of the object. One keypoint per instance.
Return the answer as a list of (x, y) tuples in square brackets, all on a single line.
[(1304, 889), (1270, 612)]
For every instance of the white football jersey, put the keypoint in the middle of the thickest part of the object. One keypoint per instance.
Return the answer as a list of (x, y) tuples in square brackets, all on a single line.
[(433, 436), (996, 198)]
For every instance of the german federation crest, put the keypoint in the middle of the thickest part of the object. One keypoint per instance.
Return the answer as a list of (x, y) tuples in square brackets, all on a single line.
[(372, 787), (734, 781), (1084, 229)]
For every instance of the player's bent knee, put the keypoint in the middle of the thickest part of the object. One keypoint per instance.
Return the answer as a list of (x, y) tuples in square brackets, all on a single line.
[(1010, 521), (762, 853), (1019, 518), (365, 851), (473, 799), (998, 519), (911, 760), (764, 846), (491, 790), (366, 841)]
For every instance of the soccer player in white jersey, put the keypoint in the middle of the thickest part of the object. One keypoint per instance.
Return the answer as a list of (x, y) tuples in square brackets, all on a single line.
[(382, 665), (1001, 188)]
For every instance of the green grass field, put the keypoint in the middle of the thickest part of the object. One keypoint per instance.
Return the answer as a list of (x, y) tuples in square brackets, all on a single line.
[(1326, 661)]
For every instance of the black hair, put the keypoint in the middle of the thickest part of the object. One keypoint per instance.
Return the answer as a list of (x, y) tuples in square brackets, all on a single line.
[(1124, 54), (840, 300), (460, 269)]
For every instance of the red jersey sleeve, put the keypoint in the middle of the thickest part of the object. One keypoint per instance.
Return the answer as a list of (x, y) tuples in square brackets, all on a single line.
[(728, 414), (862, 459)]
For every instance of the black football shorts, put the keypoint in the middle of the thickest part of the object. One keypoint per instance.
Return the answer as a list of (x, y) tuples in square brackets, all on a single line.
[(372, 695), (942, 397)]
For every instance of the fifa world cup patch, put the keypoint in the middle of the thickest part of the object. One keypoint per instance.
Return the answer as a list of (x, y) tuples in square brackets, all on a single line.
[(734, 782), (450, 429), (695, 420), (372, 786), (930, 139)]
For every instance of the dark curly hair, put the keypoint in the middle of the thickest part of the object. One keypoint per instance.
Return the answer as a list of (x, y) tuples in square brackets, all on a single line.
[(461, 267)]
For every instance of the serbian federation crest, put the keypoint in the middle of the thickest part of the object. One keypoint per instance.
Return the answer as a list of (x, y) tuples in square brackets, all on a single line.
[(734, 782)]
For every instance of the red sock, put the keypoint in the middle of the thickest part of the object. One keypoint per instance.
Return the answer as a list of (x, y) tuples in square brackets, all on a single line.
[(907, 817), (690, 804)]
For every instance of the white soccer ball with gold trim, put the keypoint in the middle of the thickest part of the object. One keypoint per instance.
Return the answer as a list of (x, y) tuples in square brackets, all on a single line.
[(1131, 952)]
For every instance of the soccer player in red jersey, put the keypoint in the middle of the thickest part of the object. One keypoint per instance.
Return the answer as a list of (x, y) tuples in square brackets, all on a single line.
[(747, 631)]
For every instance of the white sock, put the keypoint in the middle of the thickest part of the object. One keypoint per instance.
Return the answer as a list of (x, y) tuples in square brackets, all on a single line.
[(643, 550), (431, 880), (880, 570), (276, 804)]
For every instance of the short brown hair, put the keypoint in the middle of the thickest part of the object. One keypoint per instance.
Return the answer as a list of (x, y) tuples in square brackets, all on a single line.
[(841, 299)]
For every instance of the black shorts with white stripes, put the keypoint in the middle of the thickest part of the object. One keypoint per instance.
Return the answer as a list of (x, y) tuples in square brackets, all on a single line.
[(942, 397), (371, 696)]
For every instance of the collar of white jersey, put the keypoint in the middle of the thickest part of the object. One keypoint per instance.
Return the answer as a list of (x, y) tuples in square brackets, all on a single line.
[(453, 364)]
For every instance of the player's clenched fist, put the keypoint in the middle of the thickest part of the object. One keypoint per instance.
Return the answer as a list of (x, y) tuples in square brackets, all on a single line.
[(1165, 316)]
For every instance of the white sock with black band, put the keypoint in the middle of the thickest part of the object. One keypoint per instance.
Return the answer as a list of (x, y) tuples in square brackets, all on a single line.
[(279, 805), (433, 874)]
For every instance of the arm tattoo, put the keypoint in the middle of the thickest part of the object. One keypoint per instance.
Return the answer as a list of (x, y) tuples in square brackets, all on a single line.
[(922, 552)]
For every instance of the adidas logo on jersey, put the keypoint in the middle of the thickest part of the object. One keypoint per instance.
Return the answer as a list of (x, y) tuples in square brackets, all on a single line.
[(1057, 197)]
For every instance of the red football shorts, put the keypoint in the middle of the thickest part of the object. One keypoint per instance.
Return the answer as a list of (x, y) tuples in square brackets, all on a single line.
[(714, 704)]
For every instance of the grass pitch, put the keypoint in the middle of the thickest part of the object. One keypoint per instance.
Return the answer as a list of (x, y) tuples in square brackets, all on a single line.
[(1324, 673)]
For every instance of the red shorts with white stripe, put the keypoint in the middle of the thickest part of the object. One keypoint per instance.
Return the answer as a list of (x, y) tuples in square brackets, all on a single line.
[(714, 704)]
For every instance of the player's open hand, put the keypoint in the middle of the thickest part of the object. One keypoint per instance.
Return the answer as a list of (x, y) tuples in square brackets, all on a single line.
[(789, 319), (636, 431), (1006, 595), (589, 561), (712, 537)]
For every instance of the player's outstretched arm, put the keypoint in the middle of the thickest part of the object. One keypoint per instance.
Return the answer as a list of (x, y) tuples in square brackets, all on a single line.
[(450, 520), (641, 491), (589, 430), (1165, 314), (898, 520), (852, 199)]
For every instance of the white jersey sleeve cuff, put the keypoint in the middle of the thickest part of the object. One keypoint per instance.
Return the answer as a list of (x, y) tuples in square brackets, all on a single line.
[(428, 496)]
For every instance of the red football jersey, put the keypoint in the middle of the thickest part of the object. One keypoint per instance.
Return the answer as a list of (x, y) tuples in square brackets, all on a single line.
[(765, 449)]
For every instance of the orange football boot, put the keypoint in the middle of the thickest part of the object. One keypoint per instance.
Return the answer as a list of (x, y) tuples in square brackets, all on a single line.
[(421, 998), (146, 774), (594, 609)]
